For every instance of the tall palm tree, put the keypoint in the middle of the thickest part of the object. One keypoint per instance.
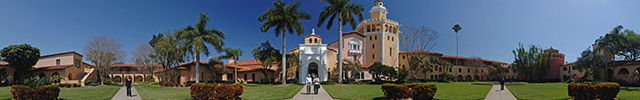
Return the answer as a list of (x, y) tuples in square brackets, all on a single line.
[(196, 37), (345, 13), (283, 17), (233, 53), (456, 28)]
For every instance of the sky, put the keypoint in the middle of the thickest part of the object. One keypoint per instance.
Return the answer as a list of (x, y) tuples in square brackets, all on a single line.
[(491, 29)]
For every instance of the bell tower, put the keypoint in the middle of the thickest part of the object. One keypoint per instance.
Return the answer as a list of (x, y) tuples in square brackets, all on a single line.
[(381, 37)]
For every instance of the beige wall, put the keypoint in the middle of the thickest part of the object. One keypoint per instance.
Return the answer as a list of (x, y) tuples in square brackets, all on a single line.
[(66, 59)]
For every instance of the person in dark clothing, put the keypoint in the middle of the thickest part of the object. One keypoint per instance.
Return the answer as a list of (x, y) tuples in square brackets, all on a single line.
[(128, 84), (502, 84)]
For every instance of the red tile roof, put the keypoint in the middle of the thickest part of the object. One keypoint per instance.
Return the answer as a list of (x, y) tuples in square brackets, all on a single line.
[(245, 63), (469, 58), (52, 67), (418, 51), (313, 35), (62, 53), (294, 49)]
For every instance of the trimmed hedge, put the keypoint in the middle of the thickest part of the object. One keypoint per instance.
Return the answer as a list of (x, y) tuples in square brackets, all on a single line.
[(202, 91), (395, 91), (46, 92), (603, 91)]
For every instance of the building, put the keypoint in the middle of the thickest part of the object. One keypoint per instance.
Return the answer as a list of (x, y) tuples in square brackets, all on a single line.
[(131, 71), (66, 64)]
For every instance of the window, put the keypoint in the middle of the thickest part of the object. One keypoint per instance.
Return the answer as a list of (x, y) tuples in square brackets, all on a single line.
[(57, 61), (77, 63), (449, 69), (355, 57), (564, 68), (402, 66), (370, 37), (506, 71), (310, 41), (390, 51), (315, 40), (468, 70), (253, 76), (375, 37), (402, 56), (391, 38), (373, 56), (459, 69), (373, 46), (245, 77), (388, 38)]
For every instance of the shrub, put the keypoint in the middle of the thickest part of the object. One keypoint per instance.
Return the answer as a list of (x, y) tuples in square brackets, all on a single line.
[(202, 91), (607, 91), (36, 81), (266, 81), (91, 83), (422, 91), (603, 91), (628, 80), (293, 81), (395, 91), (446, 77), (46, 92), (328, 82)]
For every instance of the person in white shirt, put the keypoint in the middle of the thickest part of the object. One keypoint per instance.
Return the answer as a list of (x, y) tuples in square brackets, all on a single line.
[(309, 81), (316, 84)]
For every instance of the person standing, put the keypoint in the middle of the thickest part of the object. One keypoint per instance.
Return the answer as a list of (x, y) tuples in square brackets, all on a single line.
[(309, 81), (128, 84), (316, 84), (502, 84)]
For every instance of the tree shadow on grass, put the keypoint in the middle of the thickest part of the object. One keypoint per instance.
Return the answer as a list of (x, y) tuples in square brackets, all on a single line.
[(628, 89)]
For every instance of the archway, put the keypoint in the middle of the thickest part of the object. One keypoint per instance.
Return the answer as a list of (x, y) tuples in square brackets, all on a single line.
[(42, 75), (468, 78), (56, 74), (117, 79), (623, 71), (477, 77), (637, 70), (3, 73), (459, 77), (138, 78), (313, 68), (69, 77), (609, 74)]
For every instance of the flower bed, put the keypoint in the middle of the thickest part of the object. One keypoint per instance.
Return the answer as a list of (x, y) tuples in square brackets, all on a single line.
[(203, 91), (604, 91), (415, 91), (46, 92)]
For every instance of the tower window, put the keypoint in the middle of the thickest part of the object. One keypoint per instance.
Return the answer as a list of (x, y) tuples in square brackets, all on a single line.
[(388, 38), (373, 46), (391, 38), (310, 41), (370, 37), (390, 51), (315, 40), (375, 37), (57, 61), (373, 56)]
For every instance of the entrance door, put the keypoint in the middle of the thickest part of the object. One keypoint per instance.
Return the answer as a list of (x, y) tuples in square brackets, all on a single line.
[(313, 68)]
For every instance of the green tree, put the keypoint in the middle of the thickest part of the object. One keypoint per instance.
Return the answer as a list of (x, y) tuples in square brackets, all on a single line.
[(590, 62), (345, 13), (618, 42), (267, 55), (495, 69), (233, 53), (293, 63), (21, 57), (168, 52), (532, 64), (283, 17), (353, 67), (217, 68), (197, 37), (378, 69)]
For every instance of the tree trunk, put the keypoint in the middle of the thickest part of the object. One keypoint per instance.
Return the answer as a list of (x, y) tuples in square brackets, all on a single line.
[(284, 58), (235, 71), (340, 47), (197, 61)]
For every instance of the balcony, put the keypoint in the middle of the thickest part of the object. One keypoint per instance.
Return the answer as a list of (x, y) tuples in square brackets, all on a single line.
[(355, 51)]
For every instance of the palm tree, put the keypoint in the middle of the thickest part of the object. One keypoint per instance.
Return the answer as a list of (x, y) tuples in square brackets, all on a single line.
[(196, 38), (233, 53), (456, 28), (345, 13), (283, 17), (353, 67)]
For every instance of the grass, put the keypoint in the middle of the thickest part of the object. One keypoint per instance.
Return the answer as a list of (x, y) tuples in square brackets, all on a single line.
[(269, 92), (88, 92), (5, 92), (454, 91), (539, 91), (155, 92), (354, 92), (251, 92), (629, 93), (77, 93)]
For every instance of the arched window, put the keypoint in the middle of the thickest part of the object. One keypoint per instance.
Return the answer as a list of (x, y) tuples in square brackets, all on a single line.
[(315, 40), (310, 41)]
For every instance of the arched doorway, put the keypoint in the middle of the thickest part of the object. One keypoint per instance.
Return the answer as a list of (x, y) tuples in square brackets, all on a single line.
[(477, 77), (117, 79), (138, 78), (623, 71), (42, 75), (609, 74), (54, 74), (468, 78), (313, 68), (637, 70), (69, 77), (459, 78)]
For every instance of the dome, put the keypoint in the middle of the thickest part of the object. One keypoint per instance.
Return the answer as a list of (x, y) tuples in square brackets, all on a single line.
[(378, 8)]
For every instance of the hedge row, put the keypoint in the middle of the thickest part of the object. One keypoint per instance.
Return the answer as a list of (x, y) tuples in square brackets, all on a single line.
[(205, 91), (414, 91), (46, 92), (603, 91)]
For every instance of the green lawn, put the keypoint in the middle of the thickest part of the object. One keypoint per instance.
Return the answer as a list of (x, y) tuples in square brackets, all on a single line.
[(88, 92), (269, 92), (162, 93), (537, 91), (77, 93), (5, 92), (251, 92), (629, 93), (454, 91)]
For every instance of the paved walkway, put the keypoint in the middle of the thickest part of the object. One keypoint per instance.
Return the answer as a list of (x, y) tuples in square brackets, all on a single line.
[(496, 94), (302, 94), (122, 94)]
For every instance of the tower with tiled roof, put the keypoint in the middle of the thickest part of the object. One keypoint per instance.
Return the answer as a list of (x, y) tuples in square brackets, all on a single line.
[(381, 36)]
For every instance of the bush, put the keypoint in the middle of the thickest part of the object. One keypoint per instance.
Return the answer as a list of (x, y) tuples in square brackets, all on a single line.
[(422, 91), (266, 81), (607, 91), (292, 81), (202, 91), (91, 83), (36, 81), (446, 77), (628, 80), (604, 91), (46, 92), (328, 82), (395, 91), (168, 84)]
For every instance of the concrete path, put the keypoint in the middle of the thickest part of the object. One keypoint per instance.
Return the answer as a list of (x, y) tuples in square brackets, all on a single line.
[(496, 94), (122, 94), (302, 94)]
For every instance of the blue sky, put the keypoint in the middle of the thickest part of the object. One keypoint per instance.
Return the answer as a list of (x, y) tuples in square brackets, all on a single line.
[(491, 28)]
